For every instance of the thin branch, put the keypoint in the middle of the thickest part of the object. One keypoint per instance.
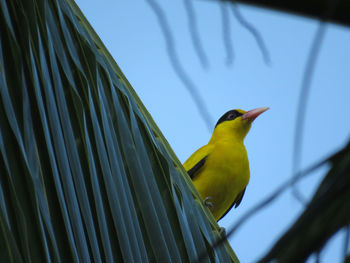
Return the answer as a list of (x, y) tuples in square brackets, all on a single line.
[(305, 90), (181, 73), (256, 34), (226, 33), (266, 201), (196, 41), (302, 105)]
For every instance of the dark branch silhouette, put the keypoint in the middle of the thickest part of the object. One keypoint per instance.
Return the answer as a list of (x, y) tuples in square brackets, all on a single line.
[(302, 105), (269, 199), (326, 213), (193, 27), (305, 91), (226, 33), (186, 80), (257, 36)]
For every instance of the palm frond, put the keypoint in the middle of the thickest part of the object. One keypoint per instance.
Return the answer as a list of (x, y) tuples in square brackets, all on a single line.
[(85, 173)]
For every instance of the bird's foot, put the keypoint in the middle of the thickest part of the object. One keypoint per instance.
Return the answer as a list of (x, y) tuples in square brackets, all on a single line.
[(208, 203), (222, 232)]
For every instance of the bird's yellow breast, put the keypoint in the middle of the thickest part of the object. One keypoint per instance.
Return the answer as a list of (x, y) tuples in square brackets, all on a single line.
[(224, 175), (220, 169)]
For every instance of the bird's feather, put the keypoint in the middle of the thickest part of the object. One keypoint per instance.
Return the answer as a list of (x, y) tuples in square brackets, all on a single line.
[(196, 167), (236, 203), (195, 161)]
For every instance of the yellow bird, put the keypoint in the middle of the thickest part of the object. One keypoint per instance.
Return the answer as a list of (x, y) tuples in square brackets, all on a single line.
[(220, 169)]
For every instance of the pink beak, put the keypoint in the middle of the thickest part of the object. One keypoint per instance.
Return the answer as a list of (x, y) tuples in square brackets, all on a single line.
[(252, 114)]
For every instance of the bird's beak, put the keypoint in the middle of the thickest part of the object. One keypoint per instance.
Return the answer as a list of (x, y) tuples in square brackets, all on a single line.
[(252, 114)]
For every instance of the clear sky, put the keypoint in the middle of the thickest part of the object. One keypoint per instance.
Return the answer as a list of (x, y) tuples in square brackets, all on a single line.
[(133, 36)]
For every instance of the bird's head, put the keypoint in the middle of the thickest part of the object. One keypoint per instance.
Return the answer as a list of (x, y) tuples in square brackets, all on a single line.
[(237, 122)]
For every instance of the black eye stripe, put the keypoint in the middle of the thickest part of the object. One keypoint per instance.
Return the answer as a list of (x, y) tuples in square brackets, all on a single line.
[(228, 116)]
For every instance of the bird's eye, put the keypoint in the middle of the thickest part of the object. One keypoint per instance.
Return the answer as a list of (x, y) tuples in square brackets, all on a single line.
[(231, 116)]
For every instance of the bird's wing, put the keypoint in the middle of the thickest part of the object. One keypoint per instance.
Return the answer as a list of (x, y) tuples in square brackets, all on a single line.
[(196, 167), (197, 160), (235, 203)]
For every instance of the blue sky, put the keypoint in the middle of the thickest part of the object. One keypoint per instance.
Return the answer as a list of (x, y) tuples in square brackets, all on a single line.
[(133, 36)]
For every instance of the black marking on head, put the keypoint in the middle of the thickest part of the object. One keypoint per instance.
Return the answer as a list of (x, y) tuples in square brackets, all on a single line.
[(229, 116)]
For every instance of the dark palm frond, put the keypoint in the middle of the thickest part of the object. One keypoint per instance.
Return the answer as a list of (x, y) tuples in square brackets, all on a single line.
[(326, 214), (85, 174), (318, 9)]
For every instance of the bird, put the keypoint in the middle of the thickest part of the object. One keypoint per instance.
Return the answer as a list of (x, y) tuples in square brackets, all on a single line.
[(220, 170)]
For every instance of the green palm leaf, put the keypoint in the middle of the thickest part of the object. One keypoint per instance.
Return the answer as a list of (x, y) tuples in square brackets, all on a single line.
[(85, 174)]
